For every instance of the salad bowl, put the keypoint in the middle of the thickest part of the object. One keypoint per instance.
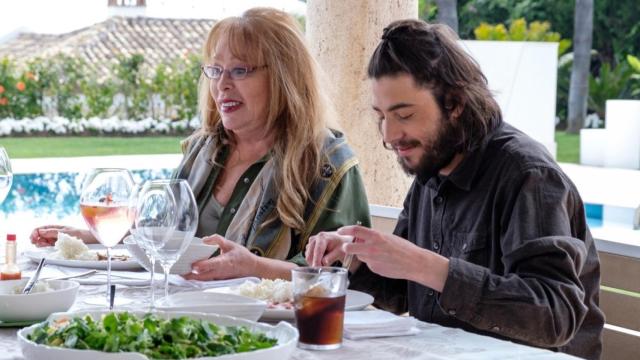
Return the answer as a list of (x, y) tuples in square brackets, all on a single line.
[(285, 334), (36, 306)]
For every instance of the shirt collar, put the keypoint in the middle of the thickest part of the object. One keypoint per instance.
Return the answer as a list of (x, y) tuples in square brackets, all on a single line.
[(465, 173)]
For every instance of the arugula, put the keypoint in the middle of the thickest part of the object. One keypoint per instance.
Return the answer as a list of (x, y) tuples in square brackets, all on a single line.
[(157, 338)]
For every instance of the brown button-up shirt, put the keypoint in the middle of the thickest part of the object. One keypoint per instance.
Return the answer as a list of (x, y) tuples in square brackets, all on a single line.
[(523, 265)]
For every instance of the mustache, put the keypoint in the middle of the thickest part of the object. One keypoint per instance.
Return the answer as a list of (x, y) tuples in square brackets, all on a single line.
[(401, 143)]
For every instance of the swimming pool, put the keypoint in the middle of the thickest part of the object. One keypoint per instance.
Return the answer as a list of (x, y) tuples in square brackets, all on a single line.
[(57, 194), (37, 199)]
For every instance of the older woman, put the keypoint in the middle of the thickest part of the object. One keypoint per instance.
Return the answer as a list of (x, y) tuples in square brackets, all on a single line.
[(266, 170)]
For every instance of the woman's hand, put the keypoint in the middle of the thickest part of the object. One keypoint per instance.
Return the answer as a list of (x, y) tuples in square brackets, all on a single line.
[(234, 261), (47, 235), (324, 248)]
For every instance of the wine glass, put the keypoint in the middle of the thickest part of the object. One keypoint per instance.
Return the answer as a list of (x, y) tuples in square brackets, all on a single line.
[(154, 222), (141, 240), (168, 250), (104, 204), (6, 175)]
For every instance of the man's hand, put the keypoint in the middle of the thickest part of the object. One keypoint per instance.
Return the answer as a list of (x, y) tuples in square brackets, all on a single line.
[(234, 261), (394, 257), (324, 248)]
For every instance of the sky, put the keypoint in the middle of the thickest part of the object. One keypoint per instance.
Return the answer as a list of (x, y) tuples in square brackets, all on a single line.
[(60, 16)]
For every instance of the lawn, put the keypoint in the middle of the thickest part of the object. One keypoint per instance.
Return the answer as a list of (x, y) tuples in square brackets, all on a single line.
[(39, 147), (568, 147), (35, 147)]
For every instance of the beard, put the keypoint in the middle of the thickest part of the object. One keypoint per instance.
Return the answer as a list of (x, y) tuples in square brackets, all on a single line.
[(436, 153)]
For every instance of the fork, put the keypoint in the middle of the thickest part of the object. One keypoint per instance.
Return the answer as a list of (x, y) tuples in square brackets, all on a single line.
[(349, 258)]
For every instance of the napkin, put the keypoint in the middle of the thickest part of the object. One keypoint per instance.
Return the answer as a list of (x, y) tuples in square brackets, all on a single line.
[(377, 323)]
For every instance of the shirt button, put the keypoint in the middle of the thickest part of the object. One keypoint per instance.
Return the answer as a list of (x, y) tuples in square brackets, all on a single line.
[(246, 180), (438, 200), (436, 246), (232, 210), (452, 312), (430, 293), (495, 328)]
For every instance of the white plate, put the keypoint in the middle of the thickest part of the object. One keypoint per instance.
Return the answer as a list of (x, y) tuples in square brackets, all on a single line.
[(196, 250), (215, 303), (286, 334), (356, 300), (131, 264)]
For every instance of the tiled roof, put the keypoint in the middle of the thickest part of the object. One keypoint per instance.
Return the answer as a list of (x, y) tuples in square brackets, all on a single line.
[(101, 44)]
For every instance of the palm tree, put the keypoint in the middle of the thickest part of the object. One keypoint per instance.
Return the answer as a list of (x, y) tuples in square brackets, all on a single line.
[(448, 13), (579, 87)]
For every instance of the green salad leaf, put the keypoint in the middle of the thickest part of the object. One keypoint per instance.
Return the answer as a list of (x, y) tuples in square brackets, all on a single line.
[(157, 338)]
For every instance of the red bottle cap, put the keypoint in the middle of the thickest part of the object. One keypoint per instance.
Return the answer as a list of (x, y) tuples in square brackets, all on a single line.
[(11, 237)]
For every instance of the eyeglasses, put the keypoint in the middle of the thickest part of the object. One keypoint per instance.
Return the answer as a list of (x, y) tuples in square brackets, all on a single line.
[(214, 72)]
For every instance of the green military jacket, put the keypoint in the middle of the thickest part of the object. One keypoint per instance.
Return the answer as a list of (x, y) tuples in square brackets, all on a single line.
[(338, 197)]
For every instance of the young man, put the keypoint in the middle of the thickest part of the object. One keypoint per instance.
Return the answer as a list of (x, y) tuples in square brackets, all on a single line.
[(497, 237)]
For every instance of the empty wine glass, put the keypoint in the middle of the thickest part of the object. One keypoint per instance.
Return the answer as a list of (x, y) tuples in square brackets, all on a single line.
[(168, 249), (140, 240), (154, 222), (104, 204), (6, 175)]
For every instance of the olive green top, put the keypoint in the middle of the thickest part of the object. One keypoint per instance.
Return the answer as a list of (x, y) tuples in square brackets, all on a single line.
[(338, 199)]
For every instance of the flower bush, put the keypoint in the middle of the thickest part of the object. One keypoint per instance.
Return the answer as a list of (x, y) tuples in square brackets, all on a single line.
[(65, 95), (106, 126)]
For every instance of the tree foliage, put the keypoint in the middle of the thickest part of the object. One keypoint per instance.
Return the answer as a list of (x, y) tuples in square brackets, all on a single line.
[(616, 29)]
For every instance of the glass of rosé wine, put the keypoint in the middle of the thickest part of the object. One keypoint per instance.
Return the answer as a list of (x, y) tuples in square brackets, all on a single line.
[(104, 204)]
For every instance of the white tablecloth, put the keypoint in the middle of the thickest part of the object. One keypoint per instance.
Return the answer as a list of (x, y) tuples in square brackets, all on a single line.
[(433, 342)]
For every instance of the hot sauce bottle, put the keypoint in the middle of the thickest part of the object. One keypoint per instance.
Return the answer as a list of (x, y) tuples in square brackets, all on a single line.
[(10, 271)]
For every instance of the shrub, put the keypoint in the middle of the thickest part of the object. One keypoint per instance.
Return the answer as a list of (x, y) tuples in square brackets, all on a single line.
[(634, 63), (520, 31), (69, 87), (131, 83)]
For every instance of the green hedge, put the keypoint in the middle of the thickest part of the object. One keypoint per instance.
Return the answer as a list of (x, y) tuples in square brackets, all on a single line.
[(69, 87)]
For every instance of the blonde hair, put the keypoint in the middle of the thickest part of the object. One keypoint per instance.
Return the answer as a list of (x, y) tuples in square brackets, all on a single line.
[(298, 110)]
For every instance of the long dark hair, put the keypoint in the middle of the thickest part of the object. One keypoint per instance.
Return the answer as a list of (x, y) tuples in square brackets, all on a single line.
[(430, 54)]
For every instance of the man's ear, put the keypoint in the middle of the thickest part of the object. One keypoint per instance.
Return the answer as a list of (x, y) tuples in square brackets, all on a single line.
[(454, 105), (457, 111)]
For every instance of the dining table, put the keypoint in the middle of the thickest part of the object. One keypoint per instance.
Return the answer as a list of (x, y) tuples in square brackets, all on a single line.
[(431, 342)]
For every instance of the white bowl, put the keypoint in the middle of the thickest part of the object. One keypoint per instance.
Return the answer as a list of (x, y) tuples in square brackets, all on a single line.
[(285, 333), (35, 306), (216, 303), (197, 250)]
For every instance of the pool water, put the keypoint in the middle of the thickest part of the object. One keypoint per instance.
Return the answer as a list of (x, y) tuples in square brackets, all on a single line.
[(594, 214), (50, 198), (56, 193)]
